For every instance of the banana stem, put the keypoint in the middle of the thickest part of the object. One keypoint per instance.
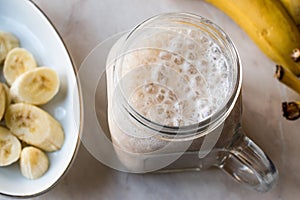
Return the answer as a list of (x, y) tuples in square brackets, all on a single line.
[(288, 78), (291, 110), (296, 55)]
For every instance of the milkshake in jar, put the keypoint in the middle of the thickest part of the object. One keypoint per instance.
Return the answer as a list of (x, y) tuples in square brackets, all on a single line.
[(174, 100)]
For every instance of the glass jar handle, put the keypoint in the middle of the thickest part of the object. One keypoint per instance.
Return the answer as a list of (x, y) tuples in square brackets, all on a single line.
[(249, 165)]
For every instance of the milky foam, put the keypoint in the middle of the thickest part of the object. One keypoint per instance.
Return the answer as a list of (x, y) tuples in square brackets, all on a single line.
[(176, 77)]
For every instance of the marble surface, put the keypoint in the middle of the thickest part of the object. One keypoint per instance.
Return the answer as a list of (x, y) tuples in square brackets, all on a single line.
[(85, 23)]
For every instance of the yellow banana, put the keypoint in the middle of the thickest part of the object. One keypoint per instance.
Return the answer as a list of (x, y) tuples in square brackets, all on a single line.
[(269, 25), (293, 7)]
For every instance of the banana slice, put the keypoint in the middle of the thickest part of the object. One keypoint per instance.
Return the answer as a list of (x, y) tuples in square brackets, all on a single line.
[(34, 126), (7, 95), (36, 86), (10, 147), (2, 101), (17, 61), (7, 43), (34, 163)]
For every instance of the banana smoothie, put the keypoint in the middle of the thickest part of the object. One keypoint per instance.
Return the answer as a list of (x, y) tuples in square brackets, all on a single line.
[(168, 76)]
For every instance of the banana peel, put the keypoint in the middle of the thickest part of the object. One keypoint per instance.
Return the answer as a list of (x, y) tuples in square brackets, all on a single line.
[(287, 78), (269, 25), (293, 7)]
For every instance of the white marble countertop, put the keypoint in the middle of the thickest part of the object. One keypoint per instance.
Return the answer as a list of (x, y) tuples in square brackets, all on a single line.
[(83, 24)]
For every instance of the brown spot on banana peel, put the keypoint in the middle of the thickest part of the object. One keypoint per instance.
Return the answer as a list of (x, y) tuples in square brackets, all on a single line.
[(296, 55), (288, 78), (279, 72), (291, 110)]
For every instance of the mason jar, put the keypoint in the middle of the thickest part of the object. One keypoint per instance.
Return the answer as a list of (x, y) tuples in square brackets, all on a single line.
[(174, 101)]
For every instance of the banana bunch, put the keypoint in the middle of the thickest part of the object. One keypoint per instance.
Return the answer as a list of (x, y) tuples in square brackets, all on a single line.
[(269, 25), (38, 131), (272, 25)]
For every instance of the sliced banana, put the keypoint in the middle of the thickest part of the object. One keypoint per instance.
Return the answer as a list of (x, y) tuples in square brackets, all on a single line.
[(17, 61), (34, 126), (7, 43), (7, 95), (10, 147), (37, 86), (34, 163), (2, 101)]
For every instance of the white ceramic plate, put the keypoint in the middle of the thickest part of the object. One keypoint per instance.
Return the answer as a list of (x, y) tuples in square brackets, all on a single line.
[(36, 33)]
